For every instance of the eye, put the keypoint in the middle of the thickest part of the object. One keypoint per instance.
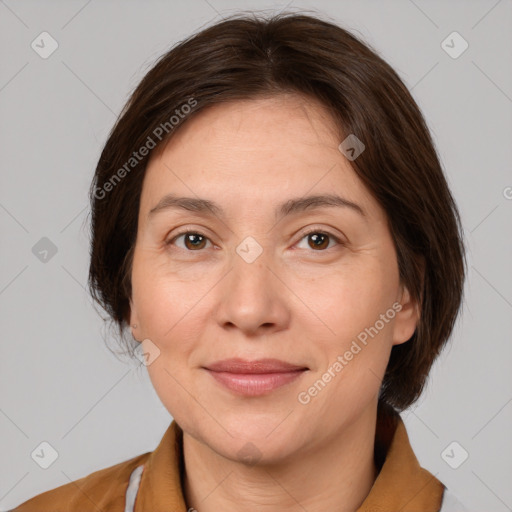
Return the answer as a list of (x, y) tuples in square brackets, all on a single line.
[(319, 240), (193, 240)]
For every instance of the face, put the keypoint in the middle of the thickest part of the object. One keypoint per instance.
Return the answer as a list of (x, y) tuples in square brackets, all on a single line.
[(264, 274)]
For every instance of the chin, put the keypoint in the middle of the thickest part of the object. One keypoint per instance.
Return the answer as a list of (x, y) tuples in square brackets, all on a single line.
[(258, 439), (256, 453)]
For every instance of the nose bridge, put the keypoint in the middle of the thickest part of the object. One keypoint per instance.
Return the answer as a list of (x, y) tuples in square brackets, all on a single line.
[(252, 297), (250, 274)]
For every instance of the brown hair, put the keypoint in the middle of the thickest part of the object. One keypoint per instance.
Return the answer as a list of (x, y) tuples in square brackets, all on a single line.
[(248, 56)]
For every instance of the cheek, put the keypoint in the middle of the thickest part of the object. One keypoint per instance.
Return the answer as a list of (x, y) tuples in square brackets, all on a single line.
[(352, 298), (165, 302), (170, 313), (355, 347)]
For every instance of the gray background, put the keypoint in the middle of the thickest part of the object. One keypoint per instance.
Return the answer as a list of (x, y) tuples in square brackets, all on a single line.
[(58, 381)]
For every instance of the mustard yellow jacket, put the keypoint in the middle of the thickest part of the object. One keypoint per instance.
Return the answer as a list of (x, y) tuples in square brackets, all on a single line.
[(152, 482)]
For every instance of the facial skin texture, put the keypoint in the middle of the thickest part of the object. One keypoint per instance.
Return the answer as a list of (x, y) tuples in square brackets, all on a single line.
[(295, 302)]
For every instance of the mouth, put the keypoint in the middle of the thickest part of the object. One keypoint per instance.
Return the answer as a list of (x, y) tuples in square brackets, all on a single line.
[(254, 378)]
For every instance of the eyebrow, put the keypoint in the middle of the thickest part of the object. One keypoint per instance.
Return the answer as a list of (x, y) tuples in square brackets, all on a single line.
[(290, 207)]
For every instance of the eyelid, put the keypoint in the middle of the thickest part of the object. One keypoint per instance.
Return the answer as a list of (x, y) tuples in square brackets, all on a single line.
[(319, 229)]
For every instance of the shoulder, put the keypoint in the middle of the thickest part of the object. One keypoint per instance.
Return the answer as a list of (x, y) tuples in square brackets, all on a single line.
[(102, 490), (450, 503)]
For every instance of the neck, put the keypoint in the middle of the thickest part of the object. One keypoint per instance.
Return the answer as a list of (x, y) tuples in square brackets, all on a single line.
[(336, 474)]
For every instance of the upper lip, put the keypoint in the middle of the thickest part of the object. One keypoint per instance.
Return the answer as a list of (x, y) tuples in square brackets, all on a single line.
[(239, 366)]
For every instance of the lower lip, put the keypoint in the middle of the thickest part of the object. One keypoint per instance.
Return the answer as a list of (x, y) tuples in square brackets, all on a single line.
[(255, 384)]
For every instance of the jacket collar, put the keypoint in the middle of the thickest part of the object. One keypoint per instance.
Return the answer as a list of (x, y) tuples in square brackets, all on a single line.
[(401, 485)]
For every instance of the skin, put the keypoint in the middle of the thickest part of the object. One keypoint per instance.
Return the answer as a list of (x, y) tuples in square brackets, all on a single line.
[(295, 302)]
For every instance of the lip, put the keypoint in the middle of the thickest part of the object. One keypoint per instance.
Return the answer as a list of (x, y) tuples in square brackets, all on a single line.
[(241, 366), (254, 378)]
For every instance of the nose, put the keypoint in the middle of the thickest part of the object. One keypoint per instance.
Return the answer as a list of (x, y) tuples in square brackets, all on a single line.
[(253, 298)]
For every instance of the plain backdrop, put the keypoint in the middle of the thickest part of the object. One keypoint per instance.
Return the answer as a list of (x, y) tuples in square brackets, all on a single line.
[(60, 384)]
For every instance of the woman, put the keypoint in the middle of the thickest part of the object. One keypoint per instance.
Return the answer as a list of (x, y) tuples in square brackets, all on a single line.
[(271, 222)]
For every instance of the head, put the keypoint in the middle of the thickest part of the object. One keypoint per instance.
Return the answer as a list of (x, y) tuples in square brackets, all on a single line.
[(297, 248)]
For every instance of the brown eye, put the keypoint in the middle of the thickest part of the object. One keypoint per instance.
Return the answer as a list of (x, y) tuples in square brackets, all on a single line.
[(192, 241), (319, 240)]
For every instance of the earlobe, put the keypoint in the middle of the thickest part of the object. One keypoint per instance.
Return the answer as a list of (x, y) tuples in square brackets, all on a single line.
[(407, 319), (133, 321)]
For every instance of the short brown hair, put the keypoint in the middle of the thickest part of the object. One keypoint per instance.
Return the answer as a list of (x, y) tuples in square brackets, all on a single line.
[(248, 56)]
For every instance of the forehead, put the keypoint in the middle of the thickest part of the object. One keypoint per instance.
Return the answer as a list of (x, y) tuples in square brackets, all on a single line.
[(252, 125), (258, 151)]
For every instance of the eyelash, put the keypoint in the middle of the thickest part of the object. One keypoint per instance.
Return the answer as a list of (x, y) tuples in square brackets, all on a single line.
[(304, 235)]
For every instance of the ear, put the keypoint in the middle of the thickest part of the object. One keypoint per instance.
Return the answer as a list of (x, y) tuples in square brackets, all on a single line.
[(407, 317)]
